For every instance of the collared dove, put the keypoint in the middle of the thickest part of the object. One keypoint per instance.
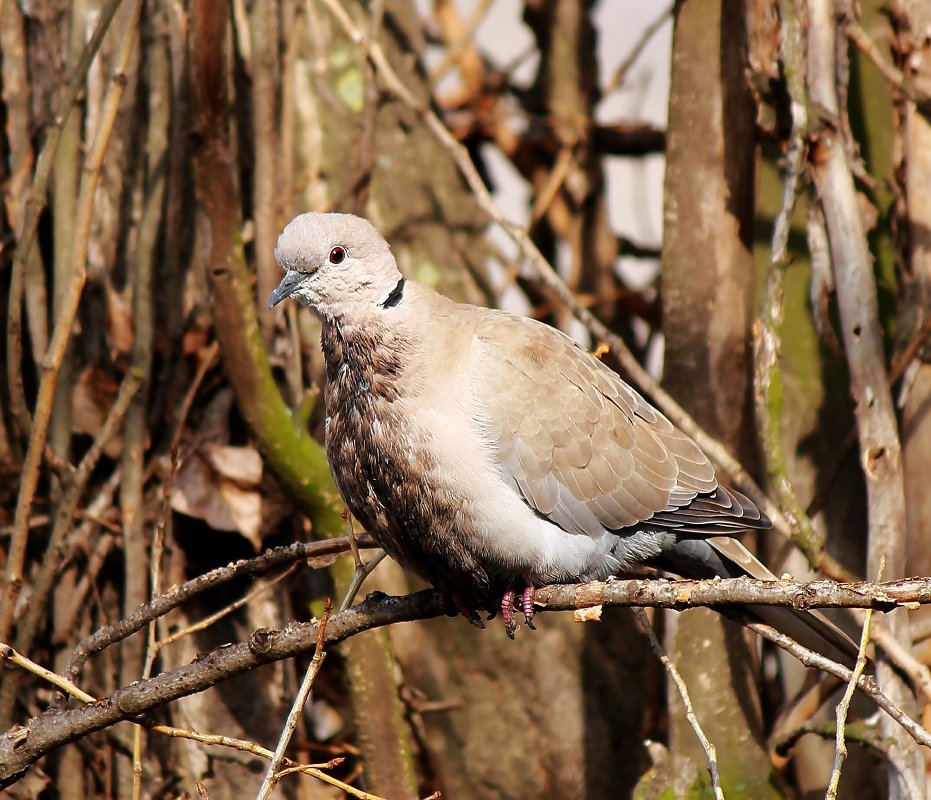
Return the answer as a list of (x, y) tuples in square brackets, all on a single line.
[(490, 453)]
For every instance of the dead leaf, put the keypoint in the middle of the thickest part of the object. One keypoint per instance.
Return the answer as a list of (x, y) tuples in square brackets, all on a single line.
[(220, 486), (91, 400), (241, 465)]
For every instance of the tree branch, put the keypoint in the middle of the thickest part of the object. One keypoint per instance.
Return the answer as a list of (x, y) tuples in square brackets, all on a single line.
[(102, 638), (22, 746)]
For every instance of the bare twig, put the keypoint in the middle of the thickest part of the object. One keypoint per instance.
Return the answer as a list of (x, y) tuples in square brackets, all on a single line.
[(462, 41), (843, 708), (877, 426), (263, 26), (152, 644), (620, 74), (361, 572), (159, 606), (897, 369), (902, 657), (32, 211), (862, 734), (141, 568), (565, 161), (866, 683), (212, 619), (54, 552), (64, 322), (7, 653), (667, 662), (891, 73), (297, 708)]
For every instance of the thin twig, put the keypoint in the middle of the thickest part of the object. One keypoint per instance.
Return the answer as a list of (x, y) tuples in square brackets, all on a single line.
[(858, 310), (206, 360), (159, 606), (667, 662), (620, 74), (33, 210), (897, 368), (206, 622), (362, 571), (297, 708), (359, 575), (895, 76), (843, 708), (7, 653), (152, 645), (55, 549), (565, 161), (866, 683), (903, 658), (462, 41)]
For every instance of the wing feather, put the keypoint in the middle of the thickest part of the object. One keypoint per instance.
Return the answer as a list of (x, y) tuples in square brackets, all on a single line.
[(583, 448)]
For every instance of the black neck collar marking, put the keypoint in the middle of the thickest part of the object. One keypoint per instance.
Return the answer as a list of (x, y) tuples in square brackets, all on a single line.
[(395, 297)]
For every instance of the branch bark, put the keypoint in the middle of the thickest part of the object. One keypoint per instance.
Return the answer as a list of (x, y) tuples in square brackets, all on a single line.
[(24, 745)]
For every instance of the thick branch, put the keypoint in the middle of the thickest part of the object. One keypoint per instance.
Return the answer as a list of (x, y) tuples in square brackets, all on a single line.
[(23, 746)]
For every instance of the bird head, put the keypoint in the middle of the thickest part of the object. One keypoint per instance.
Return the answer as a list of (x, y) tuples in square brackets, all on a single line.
[(335, 263)]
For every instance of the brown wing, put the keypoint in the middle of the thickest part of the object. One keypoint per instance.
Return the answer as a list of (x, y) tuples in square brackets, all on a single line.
[(584, 449)]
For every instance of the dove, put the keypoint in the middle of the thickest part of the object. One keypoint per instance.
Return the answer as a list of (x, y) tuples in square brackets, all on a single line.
[(490, 453)]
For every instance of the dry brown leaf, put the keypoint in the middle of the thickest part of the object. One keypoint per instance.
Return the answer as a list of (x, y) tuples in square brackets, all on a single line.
[(220, 486), (241, 465), (94, 393), (120, 327)]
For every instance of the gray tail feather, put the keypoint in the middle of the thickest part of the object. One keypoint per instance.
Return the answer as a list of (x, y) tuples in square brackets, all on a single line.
[(810, 629), (698, 557)]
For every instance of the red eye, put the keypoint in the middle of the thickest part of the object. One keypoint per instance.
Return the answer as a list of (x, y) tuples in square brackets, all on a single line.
[(337, 255)]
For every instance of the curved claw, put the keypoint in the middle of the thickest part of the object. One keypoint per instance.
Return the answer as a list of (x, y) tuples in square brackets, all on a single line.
[(467, 611)]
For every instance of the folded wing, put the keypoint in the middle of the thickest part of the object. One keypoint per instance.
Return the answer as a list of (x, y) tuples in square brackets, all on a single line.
[(588, 452)]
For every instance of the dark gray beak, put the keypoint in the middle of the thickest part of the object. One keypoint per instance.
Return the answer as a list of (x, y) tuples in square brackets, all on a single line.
[(290, 283)]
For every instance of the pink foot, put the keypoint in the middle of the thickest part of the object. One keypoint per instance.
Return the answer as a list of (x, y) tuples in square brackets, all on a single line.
[(526, 606), (507, 613)]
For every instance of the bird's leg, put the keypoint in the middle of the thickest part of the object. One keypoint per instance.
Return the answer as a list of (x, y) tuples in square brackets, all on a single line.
[(507, 613), (468, 612), (508, 605), (526, 604)]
